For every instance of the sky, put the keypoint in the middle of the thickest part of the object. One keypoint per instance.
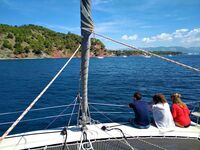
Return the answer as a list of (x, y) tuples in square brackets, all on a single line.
[(141, 23)]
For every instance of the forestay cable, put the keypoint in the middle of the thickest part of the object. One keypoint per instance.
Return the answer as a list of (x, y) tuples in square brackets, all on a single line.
[(38, 97), (164, 58)]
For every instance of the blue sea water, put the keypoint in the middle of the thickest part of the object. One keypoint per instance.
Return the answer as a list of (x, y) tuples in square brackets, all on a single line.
[(111, 80)]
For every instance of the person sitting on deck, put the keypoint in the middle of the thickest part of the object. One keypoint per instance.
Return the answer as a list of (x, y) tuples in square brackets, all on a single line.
[(141, 110), (180, 111), (161, 112)]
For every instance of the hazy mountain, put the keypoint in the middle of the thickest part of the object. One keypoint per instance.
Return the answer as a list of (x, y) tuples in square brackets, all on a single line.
[(175, 49)]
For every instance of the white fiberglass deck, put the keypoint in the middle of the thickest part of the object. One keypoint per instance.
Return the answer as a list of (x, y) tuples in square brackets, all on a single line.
[(53, 137)]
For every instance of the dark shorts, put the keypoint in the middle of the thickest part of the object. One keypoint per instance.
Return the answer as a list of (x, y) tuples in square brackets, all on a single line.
[(137, 125)]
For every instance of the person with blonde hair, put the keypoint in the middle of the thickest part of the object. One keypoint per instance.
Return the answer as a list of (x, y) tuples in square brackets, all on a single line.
[(180, 111), (161, 112)]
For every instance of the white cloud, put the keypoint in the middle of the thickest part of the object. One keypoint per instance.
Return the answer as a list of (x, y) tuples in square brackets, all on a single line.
[(160, 37), (131, 37), (194, 32), (180, 33), (147, 40), (164, 37), (192, 36), (184, 37)]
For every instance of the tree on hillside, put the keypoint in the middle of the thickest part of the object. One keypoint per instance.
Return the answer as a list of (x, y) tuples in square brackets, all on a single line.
[(10, 36), (97, 47), (38, 39), (27, 49), (6, 44), (18, 49), (37, 51)]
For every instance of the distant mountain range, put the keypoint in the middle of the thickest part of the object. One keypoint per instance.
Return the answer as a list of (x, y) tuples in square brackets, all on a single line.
[(175, 49)]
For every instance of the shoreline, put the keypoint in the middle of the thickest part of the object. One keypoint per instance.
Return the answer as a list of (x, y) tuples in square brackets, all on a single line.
[(30, 58)]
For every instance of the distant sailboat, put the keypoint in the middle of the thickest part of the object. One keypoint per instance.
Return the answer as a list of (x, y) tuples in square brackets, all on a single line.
[(147, 56), (100, 57)]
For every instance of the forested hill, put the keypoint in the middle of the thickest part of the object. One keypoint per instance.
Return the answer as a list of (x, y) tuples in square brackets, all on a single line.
[(36, 41)]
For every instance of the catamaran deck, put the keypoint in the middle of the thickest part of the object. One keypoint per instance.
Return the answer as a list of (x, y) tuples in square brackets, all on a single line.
[(152, 138)]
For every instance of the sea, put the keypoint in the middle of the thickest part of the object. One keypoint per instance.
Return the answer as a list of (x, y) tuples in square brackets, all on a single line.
[(112, 82)]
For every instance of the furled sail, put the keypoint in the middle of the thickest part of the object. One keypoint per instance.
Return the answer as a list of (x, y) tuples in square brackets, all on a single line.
[(86, 30)]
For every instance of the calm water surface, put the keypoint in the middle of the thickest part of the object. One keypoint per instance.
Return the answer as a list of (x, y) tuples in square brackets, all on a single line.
[(111, 80)]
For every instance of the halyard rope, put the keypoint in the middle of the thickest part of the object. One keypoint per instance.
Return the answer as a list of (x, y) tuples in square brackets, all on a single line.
[(164, 58), (37, 98)]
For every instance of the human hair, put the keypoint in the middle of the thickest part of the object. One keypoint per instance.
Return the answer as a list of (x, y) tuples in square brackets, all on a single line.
[(137, 95), (176, 99), (159, 98)]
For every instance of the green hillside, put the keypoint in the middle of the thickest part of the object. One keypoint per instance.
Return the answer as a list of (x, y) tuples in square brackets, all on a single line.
[(36, 41)]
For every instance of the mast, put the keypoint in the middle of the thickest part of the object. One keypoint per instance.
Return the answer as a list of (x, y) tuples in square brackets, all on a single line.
[(86, 31)]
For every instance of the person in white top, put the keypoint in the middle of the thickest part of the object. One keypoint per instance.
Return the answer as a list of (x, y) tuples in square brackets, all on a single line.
[(161, 112)]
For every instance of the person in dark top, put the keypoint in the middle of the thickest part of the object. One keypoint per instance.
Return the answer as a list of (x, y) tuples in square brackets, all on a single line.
[(141, 110)]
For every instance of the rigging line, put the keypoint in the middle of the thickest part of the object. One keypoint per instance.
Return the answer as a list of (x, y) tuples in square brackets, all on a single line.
[(78, 116), (36, 109), (65, 129), (60, 106), (79, 97), (120, 130), (41, 118), (72, 112), (111, 112), (94, 121), (59, 114), (126, 133), (161, 57), (131, 135), (192, 102), (37, 98), (140, 139), (115, 105), (89, 114), (102, 114), (126, 142)]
